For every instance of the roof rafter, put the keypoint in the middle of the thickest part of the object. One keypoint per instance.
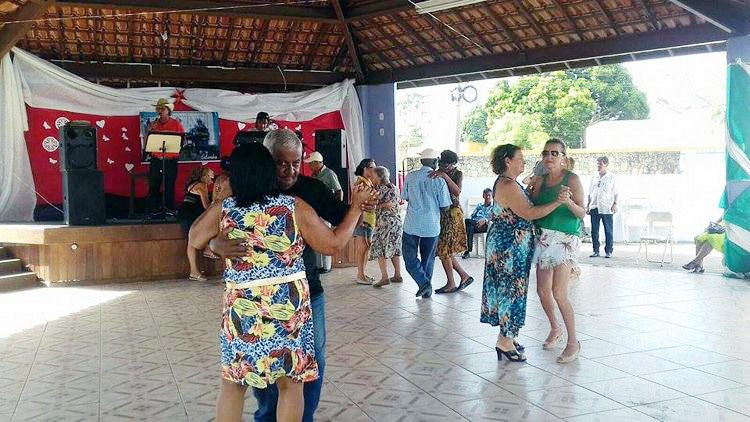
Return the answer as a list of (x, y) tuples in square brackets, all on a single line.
[(530, 19), (647, 12), (229, 8), (723, 17), (588, 50), (570, 20), (498, 21), (379, 8), (353, 55), (201, 74), (259, 43), (418, 37), (316, 41)]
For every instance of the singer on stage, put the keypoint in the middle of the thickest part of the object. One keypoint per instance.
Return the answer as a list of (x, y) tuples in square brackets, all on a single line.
[(164, 123)]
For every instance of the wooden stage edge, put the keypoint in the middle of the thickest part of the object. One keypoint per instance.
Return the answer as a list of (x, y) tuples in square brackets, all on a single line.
[(59, 253)]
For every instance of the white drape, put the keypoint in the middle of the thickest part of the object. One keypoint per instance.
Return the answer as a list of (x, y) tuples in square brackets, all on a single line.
[(45, 85), (17, 193)]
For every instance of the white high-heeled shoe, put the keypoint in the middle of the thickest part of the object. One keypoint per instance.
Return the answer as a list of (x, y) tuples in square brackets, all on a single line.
[(571, 357)]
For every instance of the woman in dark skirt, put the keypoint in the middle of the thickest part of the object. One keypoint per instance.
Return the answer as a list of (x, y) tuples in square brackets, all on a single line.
[(195, 202)]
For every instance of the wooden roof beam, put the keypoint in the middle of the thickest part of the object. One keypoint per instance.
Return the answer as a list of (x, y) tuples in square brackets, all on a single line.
[(417, 36), (200, 74), (379, 8), (11, 33), (721, 16), (299, 13), (608, 15), (351, 47), (588, 50)]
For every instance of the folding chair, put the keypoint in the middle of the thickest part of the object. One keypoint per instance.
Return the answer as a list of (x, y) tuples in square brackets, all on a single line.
[(662, 222)]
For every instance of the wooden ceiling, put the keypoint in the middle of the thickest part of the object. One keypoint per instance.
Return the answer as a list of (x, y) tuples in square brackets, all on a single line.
[(257, 45)]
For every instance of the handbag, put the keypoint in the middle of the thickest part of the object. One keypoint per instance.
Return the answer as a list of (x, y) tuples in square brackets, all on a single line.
[(714, 228)]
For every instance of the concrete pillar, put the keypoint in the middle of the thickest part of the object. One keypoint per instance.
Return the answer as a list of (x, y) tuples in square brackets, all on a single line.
[(379, 116)]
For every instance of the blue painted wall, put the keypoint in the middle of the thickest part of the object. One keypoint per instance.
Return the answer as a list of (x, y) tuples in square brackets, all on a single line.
[(379, 116)]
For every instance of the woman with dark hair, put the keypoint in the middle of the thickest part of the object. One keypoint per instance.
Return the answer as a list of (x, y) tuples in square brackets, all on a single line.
[(558, 245), (222, 190), (267, 333), (363, 233), (510, 244), (195, 202), (386, 243), (452, 238)]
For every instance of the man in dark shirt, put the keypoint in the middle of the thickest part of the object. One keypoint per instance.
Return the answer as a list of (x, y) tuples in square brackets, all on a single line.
[(286, 149)]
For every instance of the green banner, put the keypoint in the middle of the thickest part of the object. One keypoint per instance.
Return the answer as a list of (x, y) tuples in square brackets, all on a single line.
[(737, 213)]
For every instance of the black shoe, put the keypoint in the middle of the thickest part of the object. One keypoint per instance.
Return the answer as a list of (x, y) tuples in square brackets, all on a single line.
[(466, 283), (511, 355), (519, 346), (594, 255), (465, 255), (425, 291), (323, 271)]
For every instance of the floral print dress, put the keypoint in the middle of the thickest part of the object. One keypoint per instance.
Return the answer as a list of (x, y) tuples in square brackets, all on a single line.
[(267, 327), (452, 238), (386, 242), (510, 244)]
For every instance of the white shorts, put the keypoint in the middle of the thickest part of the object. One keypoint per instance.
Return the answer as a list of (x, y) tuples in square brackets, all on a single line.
[(555, 248)]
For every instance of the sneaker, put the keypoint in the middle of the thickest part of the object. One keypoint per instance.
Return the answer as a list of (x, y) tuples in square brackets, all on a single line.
[(608, 255), (594, 255), (465, 255), (382, 282)]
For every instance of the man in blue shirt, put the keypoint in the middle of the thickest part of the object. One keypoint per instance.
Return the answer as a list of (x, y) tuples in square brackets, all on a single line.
[(479, 221), (426, 196)]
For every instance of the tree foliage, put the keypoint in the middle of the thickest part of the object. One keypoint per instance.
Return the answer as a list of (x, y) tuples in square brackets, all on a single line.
[(524, 130), (474, 127), (563, 103), (411, 110)]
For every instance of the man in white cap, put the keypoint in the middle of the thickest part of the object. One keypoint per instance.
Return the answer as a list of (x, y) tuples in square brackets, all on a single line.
[(324, 174), (426, 196), (163, 123)]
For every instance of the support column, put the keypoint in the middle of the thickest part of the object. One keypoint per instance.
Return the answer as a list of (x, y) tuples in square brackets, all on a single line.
[(737, 210), (379, 116)]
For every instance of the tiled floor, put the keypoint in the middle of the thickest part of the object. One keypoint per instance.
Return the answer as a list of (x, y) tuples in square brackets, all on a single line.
[(655, 344)]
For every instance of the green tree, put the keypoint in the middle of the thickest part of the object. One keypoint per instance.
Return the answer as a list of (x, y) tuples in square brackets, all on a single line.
[(524, 130), (474, 126), (411, 114), (566, 103)]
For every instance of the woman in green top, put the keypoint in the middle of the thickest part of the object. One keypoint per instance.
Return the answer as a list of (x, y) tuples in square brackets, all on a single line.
[(558, 245)]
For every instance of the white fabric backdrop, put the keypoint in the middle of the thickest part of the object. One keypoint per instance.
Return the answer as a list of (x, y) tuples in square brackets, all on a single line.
[(17, 194), (48, 86)]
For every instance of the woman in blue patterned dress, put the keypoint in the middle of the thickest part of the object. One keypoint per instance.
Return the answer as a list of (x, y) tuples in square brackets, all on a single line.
[(510, 246), (266, 332)]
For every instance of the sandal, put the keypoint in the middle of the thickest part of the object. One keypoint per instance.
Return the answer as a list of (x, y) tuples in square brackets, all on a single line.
[(518, 346), (445, 289), (551, 343), (397, 280), (197, 278), (571, 357), (465, 283)]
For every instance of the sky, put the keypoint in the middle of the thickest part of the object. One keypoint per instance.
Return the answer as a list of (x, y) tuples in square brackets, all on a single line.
[(678, 89)]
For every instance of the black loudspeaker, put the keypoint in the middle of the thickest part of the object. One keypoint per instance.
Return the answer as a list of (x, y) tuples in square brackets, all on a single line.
[(332, 145), (77, 146), (83, 197)]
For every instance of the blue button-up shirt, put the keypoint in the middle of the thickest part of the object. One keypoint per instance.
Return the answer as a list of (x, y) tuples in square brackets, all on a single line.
[(482, 212), (425, 196)]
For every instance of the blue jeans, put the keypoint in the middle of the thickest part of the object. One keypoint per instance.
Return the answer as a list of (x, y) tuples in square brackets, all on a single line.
[(268, 397), (606, 220), (420, 269)]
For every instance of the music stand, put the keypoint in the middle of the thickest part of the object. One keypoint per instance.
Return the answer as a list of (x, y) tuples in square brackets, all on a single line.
[(164, 142)]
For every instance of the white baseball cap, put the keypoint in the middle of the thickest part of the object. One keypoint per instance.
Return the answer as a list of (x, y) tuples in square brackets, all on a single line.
[(315, 156), (429, 154)]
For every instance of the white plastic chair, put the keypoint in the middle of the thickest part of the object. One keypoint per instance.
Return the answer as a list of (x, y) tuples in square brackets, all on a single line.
[(657, 222), (479, 238), (633, 216)]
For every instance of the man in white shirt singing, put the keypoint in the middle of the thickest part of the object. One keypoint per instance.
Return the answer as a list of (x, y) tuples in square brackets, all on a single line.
[(602, 205)]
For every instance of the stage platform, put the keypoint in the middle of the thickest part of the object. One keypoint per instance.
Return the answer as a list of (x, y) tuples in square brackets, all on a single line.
[(59, 253), (129, 252)]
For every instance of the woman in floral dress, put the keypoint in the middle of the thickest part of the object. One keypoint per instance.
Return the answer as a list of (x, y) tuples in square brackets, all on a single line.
[(510, 245), (386, 242), (266, 332)]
